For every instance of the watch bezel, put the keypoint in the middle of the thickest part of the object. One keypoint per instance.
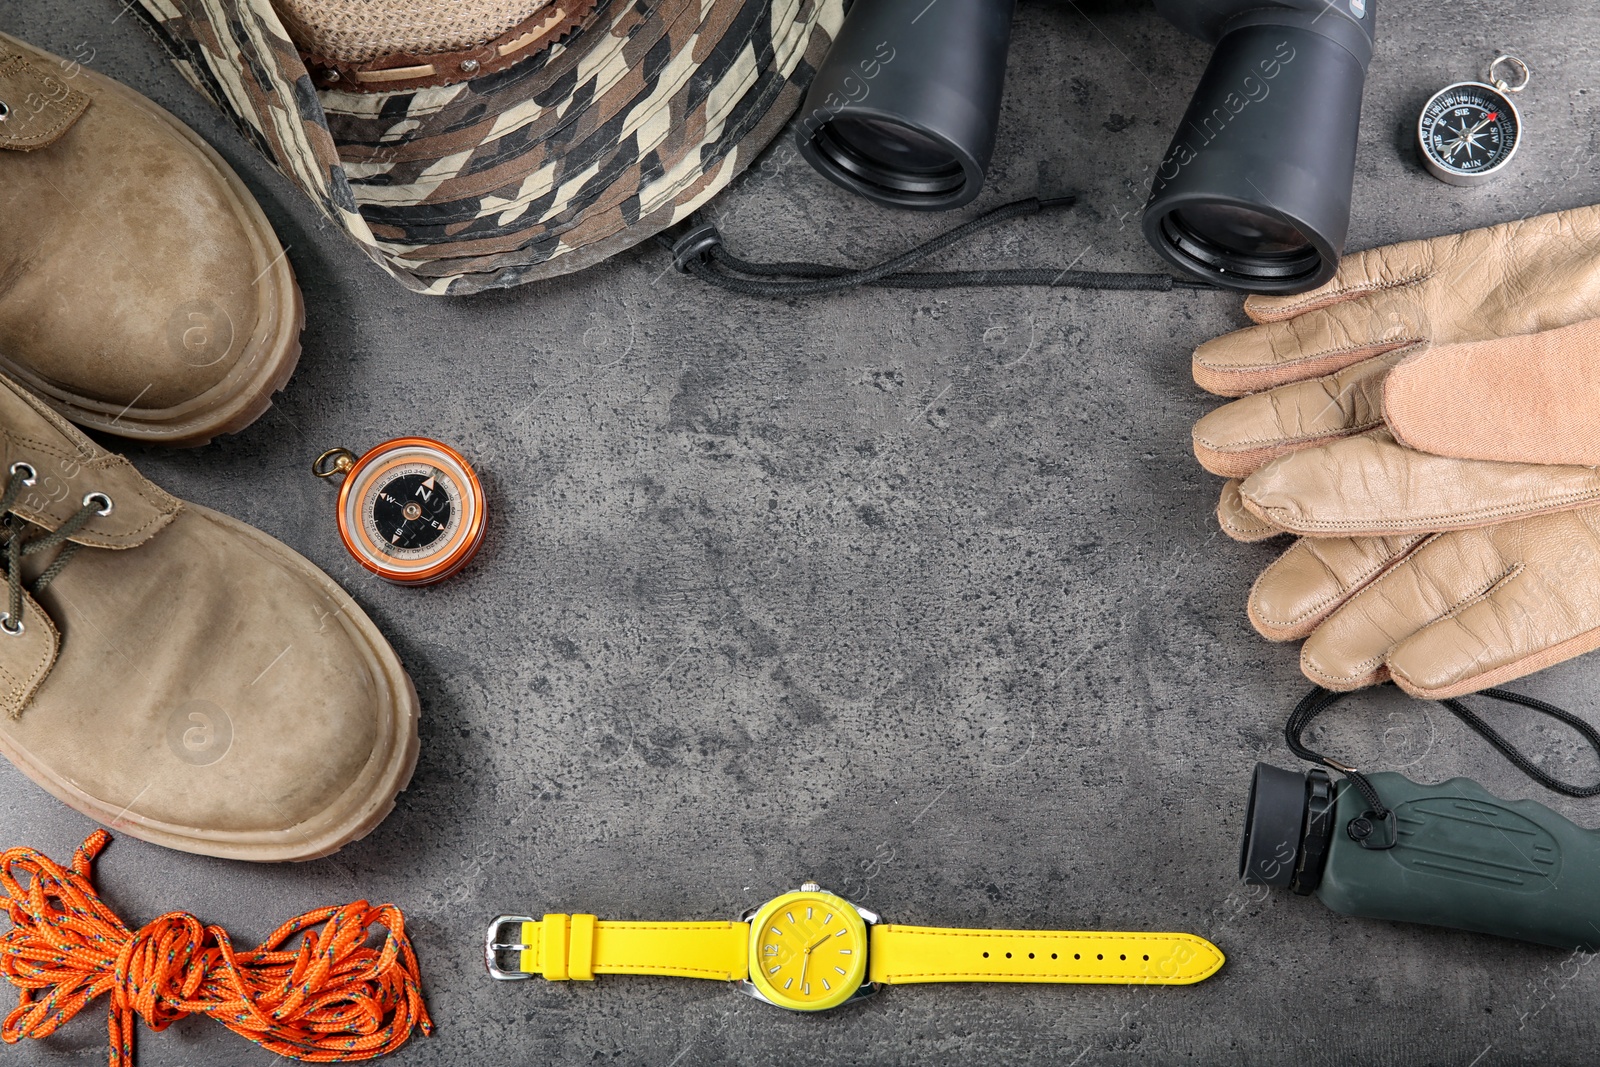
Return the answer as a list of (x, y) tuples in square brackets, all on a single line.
[(753, 985)]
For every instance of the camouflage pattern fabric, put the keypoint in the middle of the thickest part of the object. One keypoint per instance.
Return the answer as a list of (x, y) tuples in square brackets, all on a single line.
[(550, 166)]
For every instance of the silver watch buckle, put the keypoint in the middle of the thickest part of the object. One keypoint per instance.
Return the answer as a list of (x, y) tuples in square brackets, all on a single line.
[(493, 947)]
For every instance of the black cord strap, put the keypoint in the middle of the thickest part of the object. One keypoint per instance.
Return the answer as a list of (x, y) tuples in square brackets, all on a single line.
[(1512, 753), (1311, 705), (1319, 700), (697, 248)]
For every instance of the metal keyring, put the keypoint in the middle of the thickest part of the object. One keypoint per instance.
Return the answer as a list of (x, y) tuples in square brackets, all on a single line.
[(1502, 84), (343, 460)]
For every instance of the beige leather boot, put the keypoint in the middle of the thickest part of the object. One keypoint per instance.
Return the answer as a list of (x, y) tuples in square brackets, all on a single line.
[(178, 675), (142, 291)]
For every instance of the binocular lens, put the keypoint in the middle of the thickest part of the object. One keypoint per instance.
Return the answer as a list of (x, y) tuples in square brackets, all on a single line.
[(904, 108), (1239, 242), (889, 155), (1254, 193), (1241, 230)]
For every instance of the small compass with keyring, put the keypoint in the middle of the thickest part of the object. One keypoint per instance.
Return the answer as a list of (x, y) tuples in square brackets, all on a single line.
[(1469, 131), (411, 510)]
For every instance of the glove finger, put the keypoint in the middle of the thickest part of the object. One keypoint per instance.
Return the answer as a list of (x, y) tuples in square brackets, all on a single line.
[(1353, 645), (1537, 604), (1237, 438), (1237, 521), (1310, 345), (1534, 398), (1315, 577), (1360, 273), (1372, 486)]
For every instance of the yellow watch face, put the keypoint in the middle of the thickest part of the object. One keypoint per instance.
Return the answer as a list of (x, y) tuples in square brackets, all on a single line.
[(808, 951)]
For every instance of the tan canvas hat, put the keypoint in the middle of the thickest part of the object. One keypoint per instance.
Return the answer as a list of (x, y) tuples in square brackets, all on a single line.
[(479, 144)]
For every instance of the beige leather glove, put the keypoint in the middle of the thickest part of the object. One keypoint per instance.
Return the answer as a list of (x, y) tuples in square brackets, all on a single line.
[(1440, 614), (1473, 346), (1504, 281), (1477, 345)]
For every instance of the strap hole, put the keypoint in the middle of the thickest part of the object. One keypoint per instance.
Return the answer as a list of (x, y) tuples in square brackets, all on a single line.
[(1030, 955), (1052, 955), (985, 955), (1008, 955), (1147, 958), (1099, 955), (1123, 956), (1076, 956)]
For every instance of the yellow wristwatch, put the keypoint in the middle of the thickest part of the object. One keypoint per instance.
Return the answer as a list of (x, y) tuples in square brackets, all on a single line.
[(810, 950)]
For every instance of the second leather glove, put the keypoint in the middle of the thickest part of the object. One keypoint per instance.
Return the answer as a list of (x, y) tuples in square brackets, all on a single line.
[(1440, 614)]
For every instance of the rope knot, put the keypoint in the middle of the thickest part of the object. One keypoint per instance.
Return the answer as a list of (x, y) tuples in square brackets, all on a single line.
[(331, 997), (160, 967)]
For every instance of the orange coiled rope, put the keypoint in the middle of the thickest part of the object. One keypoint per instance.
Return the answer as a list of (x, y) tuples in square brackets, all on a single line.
[(333, 998)]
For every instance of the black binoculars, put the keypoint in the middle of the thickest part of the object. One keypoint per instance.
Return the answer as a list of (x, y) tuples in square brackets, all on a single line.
[(1254, 193)]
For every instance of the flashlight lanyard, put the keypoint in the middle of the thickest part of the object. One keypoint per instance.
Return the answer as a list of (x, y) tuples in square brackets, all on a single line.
[(697, 248), (1319, 700)]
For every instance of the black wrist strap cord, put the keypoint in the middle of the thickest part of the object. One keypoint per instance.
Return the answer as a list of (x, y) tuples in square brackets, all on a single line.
[(1319, 700), (697, 248)]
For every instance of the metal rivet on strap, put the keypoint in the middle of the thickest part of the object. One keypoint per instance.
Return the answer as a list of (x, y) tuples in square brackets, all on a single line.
[(469, 65), (106, 505), (6, 626)]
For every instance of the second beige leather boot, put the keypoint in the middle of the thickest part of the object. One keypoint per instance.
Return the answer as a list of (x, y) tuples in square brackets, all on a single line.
[(142, 291), (176, 674)]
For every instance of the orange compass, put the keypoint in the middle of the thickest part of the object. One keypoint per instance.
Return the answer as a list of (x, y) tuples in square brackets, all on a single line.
[(411, 510)]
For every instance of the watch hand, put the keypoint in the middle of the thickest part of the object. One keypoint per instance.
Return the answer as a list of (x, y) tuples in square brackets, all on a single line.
[(805, 956)]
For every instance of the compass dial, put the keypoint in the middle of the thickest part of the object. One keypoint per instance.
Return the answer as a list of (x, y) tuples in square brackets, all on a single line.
[(412, 510), (1468, 132)]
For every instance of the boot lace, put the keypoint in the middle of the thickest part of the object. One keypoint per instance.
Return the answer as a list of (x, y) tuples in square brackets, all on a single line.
[(17, 546)]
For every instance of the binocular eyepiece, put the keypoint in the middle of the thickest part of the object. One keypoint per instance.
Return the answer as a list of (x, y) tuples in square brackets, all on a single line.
[(1253, 194)]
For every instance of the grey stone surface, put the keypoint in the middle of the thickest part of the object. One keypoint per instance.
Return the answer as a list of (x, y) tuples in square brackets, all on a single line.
[(916, 594)]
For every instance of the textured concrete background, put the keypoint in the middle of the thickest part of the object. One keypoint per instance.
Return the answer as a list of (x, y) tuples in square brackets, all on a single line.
[(916, 594)]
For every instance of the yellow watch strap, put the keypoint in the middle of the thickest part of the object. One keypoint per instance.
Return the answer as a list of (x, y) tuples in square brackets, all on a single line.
[(578, 947), (903, 954)]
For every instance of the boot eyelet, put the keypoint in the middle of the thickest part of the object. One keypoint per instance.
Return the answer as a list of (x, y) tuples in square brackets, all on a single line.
[(6, 626), (5, 111), (92, 497), (32, 477)]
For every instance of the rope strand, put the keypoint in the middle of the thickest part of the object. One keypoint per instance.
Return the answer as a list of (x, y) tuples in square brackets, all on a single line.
[(328, 999)]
